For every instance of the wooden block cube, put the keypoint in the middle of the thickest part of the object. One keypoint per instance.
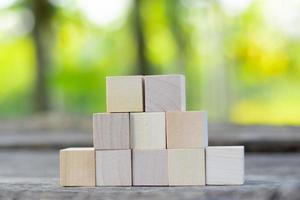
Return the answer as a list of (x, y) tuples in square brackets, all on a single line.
[(186, 129), (147, 130), (124, 94), (111, 130), (150, 167), (77, 167), (225, 165), (186, 166), (113, 168), (165, 93)]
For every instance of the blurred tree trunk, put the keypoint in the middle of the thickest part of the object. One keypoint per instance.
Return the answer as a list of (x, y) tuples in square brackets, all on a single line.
[(142, 65), (41, 34), (217, 78), (173, 11)]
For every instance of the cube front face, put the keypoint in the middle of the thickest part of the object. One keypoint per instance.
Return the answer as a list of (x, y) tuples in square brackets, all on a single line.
[(150, 167), (165, 93), (225, 165), (111, 130), (113, 168), (147, 130), (77, 167), (124, 94), (186, 129), (186, 166)]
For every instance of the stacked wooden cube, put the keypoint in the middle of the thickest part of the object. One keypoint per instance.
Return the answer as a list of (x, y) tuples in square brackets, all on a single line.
[(147, 138)]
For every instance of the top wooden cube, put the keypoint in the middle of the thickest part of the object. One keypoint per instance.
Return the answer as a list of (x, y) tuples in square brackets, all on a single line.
[(124, 94), (164, 93)]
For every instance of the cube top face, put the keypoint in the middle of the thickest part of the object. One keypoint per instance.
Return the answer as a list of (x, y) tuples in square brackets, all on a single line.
[(148, 130), (165, 93), (150, 167), (186, 129), (71, 149), (113, 168), (124, 94), (186, 166), (77, 167), (225, 165), (111, 130)]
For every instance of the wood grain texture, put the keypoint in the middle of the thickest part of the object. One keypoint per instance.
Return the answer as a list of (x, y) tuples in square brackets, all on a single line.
[(165, 93), (111, 130), (77, 167), (225, 165), (124, 94), (113, 168), (186, 166), (150, 167), (147, 130), (186, 129)]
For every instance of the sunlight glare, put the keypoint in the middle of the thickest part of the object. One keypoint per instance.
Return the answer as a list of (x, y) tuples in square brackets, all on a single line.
[(103, 13), (7, 3), (283, 15), (16, 23), (234, 7)]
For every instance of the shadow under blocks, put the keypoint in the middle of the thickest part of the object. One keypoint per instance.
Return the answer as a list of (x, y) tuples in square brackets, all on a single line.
[(147, 138)]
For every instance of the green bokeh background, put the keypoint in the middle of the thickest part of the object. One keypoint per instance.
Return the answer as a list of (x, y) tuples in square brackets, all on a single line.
[(241, 59)]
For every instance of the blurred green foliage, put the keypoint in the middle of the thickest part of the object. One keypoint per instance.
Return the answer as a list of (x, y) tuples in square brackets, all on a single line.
[(241, 64)]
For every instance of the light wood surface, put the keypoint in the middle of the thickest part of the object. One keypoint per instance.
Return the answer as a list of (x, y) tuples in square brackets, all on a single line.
[(77, 167), (186, 129), (111, 130), (124, 94), (186, 166), (150, 167), (113, 168), (147, 130), (165, 93), (225, 165)]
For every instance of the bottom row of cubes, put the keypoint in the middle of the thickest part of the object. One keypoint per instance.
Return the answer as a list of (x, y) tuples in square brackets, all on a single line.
[(211, 166)]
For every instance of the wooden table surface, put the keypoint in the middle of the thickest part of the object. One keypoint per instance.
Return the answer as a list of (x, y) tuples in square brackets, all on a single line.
[(34, 174)]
